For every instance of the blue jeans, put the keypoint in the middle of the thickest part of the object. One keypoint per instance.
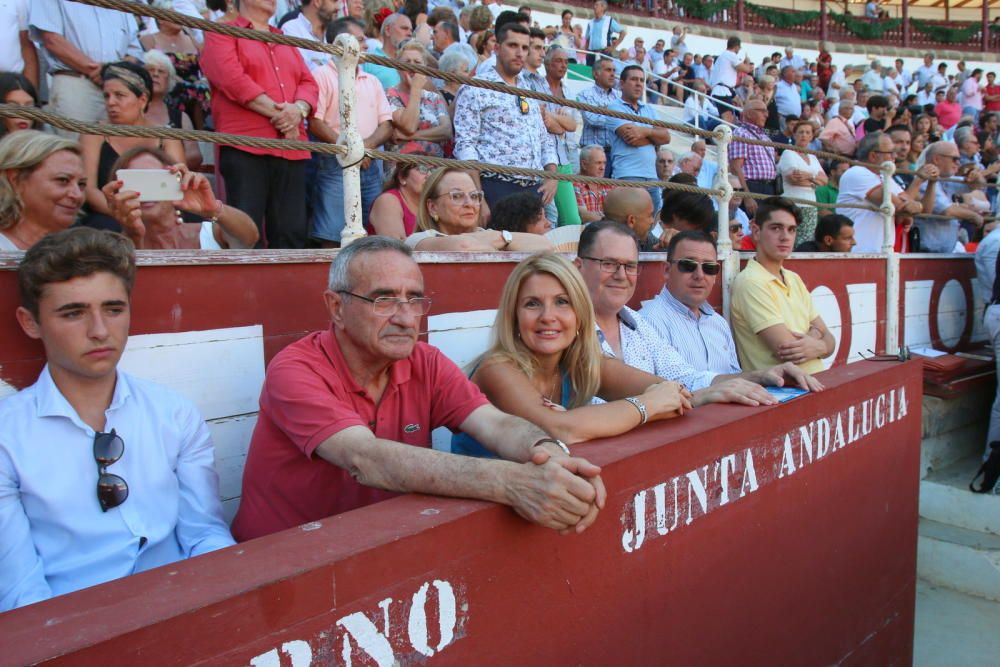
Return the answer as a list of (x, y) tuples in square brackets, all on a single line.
[(326, 197)]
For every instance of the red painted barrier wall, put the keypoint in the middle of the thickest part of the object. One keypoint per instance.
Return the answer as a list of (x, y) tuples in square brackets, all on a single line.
[(770, 536)]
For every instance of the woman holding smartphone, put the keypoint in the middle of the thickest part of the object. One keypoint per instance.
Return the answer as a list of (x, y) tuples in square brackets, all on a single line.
[(545, 364), (198, 221), (128, 90)]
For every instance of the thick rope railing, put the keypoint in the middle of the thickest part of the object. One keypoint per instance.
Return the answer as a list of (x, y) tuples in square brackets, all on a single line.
[(61, 122), (140, 9)]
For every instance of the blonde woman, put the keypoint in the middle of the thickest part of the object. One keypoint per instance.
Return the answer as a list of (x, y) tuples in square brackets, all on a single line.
[(545, 363), (450, 215), (42, 186)]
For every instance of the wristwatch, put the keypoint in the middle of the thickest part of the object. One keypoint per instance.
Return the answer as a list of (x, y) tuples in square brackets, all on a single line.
[(558, 443), (507, 238), (303, 107)]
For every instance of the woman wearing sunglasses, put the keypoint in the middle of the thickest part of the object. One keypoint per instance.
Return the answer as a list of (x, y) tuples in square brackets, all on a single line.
[(450, 215), (545, 363)]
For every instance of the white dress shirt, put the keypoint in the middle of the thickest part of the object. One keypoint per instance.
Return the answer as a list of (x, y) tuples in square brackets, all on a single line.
[(54, 538), (705, 342), (301, 27), (103, 35), (13, 21)]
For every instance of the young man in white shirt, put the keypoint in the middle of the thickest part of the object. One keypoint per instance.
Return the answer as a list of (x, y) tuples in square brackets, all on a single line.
[(725, 75), (102, 474)]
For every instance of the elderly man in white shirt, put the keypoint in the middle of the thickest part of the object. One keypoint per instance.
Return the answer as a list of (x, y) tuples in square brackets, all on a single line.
[(102, 474), (78, 40)]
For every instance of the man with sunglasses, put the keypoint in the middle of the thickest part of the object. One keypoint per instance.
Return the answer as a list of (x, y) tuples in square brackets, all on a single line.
[(938, 235), (102, 474), (774, 318), (346, 416), (608, 259)]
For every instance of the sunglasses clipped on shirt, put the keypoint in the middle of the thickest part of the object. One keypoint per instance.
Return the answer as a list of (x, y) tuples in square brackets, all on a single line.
[(690, 266), (522, 103), (112, 490)]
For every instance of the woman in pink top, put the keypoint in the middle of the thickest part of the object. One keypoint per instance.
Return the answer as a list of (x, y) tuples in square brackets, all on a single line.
[(948, 110), (394, 211)]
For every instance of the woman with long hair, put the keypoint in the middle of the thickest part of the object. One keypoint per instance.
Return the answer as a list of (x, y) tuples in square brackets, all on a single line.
[(41, 187), (545, 363), (16, 89), (450, 218), (394, 212)]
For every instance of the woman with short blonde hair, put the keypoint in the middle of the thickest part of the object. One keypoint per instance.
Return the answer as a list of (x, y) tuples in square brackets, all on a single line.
[(544, 362), (450, 216), (42, 187)]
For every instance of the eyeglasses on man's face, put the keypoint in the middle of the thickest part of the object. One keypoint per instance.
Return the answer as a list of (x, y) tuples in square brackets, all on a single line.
[(387, 306), (611, 266), (458, 197)]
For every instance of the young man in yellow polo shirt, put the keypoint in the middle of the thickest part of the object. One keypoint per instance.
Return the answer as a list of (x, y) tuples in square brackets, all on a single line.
[(773, 315)]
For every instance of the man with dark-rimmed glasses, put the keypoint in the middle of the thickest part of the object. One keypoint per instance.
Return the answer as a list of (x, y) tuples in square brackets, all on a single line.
[(608, 259), (346, 416), (102, 474)]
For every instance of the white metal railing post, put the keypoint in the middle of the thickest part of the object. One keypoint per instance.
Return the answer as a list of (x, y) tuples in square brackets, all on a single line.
[(728, 255), (891, 261), (347, 67)]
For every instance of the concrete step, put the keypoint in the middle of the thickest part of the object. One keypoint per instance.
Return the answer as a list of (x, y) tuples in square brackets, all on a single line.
[(945, 498), (942, 415), (954, 629), (941, 450), (964, 560)]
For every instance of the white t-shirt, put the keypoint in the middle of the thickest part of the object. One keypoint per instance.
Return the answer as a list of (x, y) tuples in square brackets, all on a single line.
[(724, 73), (869, 227), (14, 15)]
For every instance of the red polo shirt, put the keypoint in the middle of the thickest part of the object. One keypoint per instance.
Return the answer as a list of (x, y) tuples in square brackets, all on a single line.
[(309, 395), (240, 70)]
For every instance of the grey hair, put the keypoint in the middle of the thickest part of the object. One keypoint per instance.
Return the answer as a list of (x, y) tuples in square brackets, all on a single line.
[(690, 155), (340, 268), (553, 52), (588, 149), (963, 134), (867, 144), (387, 23), (156, 57), (456, 53)]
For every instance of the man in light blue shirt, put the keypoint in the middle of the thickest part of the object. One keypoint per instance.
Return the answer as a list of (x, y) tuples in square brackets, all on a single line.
[(102, 474), (78, 40), (634, 146), (682, 317), (601, 32)]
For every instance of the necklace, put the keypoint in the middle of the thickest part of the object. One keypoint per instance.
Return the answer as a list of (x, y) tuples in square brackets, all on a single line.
[(16, 237), (551, 396)]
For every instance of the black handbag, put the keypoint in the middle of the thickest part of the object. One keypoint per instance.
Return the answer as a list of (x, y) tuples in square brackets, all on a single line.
[(989, 471)]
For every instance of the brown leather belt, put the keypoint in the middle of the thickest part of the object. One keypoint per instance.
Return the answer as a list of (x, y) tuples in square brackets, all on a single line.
[(70, 72)]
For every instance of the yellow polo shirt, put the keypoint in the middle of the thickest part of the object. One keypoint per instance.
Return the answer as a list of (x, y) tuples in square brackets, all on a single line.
[(761, 300)]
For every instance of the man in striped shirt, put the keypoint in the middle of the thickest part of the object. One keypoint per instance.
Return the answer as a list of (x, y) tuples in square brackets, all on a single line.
[(682, 317), (753, 165)]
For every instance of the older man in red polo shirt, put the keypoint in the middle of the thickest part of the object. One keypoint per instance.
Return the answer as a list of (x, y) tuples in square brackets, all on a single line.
[(346, 416), (262, 90)]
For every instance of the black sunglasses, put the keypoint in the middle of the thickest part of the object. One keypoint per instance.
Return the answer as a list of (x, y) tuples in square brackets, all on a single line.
[(523, 104), (690, 266), (112, 490)]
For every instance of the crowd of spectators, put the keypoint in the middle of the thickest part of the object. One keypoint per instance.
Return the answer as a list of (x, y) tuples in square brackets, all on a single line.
[(95, 64), (569, 360)]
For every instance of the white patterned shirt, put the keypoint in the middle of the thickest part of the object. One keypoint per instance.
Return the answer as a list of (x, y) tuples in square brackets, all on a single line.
[(645, 349), (705, 342), (490, 127)]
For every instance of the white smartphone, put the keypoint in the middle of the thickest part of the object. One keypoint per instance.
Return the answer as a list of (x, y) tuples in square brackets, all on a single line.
[(151, 184)]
